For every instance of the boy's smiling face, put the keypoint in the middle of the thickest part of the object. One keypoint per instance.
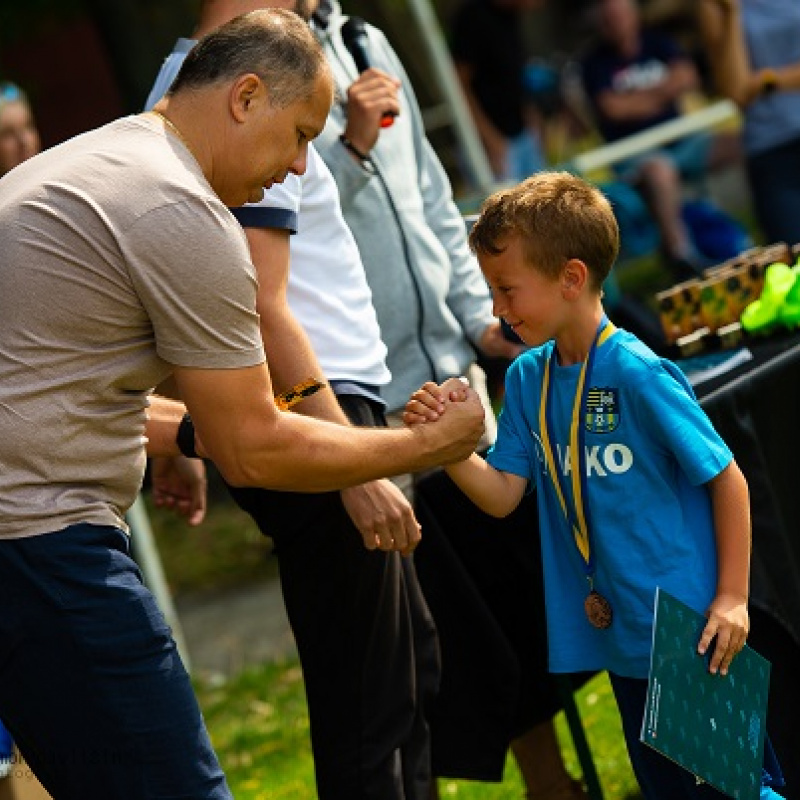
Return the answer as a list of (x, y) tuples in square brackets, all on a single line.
[(530, 301)]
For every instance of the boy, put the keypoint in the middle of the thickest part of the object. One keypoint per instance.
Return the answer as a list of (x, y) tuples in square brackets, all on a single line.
[(642, 493)]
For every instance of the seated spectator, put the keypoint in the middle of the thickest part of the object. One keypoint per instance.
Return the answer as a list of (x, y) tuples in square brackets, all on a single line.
[(19, 137), (634, 78), (489, 56)]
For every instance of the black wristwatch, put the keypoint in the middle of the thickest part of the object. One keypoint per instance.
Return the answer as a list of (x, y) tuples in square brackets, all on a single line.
[(185, 437)]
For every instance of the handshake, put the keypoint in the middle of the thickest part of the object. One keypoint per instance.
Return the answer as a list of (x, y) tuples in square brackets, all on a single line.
[(452, 405)]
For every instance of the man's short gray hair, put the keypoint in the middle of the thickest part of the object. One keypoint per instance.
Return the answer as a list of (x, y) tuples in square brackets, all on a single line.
[(275, 44)]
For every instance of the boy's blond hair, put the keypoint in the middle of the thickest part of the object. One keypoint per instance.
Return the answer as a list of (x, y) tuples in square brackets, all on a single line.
[(558, 216)]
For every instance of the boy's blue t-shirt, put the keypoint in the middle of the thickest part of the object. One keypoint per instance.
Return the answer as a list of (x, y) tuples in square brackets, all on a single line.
[(649, 452)]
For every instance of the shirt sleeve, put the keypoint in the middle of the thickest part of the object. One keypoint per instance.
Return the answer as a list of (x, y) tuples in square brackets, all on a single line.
[(667, 408), (190, 267), (280, 207), (513, 451)]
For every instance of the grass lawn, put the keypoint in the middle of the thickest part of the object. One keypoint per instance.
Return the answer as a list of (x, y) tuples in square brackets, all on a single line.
[(259, 726), (258, 720)]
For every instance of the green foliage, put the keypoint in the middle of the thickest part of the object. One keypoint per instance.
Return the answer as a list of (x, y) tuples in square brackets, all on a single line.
[(226, 550)]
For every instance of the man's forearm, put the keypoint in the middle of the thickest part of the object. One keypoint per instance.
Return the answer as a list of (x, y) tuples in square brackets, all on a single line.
[(254, 444), (299, 453), (163, 418)]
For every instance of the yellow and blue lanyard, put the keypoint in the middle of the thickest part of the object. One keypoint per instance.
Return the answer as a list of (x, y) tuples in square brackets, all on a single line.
[(579, 520)]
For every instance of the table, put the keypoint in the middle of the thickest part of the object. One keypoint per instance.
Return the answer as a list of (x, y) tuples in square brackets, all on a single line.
[(756, 409)]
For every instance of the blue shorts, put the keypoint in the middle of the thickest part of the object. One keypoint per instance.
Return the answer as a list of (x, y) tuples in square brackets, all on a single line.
[(91, 684), (690, 156)]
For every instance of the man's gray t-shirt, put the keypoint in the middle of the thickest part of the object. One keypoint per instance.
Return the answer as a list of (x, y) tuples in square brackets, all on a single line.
[(117, 260)]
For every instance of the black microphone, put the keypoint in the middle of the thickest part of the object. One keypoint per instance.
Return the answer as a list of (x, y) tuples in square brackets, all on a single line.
[(354, 36)]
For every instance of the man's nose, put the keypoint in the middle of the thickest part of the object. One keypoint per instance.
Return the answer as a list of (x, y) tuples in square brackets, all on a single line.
[(298, 166)]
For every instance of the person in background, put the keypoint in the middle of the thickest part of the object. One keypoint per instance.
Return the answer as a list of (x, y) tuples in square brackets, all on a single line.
[(19, 140), (490, 59), (19, 136), (754, 52), (634, 78), (365, 638), (435, 312), (122, 265), (669, 509)]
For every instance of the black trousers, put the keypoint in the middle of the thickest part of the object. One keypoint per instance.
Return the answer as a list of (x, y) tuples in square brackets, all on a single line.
[(482, 578), (366, 640)]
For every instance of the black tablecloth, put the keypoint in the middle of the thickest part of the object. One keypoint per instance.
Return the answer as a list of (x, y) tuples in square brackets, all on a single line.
[(756, 409)]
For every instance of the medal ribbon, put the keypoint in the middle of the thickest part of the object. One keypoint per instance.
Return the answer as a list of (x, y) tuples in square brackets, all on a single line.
[(579, 520)]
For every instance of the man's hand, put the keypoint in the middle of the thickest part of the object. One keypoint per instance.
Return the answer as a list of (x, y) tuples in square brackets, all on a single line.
[(495, 345), (368, 99), (383, 516), (453, 434), (729, 621), (180, 484)]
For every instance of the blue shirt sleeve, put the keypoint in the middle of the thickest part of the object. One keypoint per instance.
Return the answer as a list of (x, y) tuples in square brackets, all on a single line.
[(667, 407), (515, 449)]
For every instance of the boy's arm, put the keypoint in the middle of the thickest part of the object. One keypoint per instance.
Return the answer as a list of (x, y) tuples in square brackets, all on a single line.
[(727, 615), (494, 492)]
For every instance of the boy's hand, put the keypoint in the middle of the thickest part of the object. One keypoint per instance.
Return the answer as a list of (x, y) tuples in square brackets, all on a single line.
[(427, 404), (729, 621)]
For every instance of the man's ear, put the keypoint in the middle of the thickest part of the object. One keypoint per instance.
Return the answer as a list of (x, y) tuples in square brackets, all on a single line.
[(573, 277), (247, 91)]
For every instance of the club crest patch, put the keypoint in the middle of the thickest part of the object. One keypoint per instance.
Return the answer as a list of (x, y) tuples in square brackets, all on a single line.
[(602, 410)]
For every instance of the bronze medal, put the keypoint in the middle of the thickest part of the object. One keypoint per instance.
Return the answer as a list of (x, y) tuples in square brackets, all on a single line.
[(598, 610)]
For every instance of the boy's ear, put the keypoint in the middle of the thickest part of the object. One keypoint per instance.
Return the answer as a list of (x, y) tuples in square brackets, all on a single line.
[(573, 278)]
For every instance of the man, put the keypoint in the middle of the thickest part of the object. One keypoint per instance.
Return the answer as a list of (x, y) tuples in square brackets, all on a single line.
[(634, 78), (434, 310), (365, 638), (121, 264)]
